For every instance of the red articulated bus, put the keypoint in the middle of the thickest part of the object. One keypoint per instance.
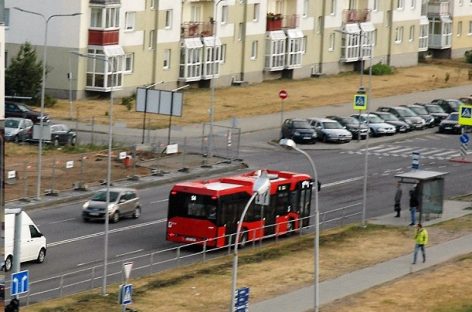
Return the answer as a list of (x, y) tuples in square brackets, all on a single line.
[(209, 210)]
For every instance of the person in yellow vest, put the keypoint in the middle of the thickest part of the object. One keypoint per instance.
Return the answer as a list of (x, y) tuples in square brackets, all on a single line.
[(421, 239)]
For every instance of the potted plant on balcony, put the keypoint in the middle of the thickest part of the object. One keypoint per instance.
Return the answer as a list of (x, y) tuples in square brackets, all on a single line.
[(274, 21)]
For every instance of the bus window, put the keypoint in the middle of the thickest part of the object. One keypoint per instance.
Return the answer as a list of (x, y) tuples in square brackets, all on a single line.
[(295, 200)]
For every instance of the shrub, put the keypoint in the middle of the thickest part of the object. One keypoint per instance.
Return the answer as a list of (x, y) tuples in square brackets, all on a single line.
[(380, 69), (468, 56), (128, 101)]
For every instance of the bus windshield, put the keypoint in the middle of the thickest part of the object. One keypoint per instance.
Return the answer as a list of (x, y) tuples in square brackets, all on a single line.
[(192, 205)]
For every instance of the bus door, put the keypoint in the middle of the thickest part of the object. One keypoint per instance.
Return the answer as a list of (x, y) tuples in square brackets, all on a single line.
[(232, 207), (282, 206), (305, 189)]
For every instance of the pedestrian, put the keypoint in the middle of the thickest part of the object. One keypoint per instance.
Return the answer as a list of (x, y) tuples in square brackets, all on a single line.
[(413, 205), (421, 239), (398, 199)]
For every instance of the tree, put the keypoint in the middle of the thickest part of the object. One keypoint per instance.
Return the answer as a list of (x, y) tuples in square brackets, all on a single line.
[(23, 76)]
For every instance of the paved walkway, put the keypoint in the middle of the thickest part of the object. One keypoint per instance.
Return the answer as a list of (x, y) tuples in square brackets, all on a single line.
[(351, 283)]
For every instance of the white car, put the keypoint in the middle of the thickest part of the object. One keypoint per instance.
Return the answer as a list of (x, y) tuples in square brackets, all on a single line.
[(18, 129), (329, 130), (377, 125)]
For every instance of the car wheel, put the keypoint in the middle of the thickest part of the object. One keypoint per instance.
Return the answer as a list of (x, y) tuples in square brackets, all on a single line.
[(16, 139), (85, 219), (8, 264), (137, 213), (115, 217), (325, 139), (73, 141), (41, 256)]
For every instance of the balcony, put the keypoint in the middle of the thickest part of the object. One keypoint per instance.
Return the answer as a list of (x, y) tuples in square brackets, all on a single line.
[(105, 2), (438, 8), (279, 21), (356, 16), (103, 37), (196, 29)]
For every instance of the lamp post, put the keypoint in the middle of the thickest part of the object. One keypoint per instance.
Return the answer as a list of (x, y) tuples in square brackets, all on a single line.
[(261, 185), (290, 144), (43, 88), (110, 142), (212, 105)]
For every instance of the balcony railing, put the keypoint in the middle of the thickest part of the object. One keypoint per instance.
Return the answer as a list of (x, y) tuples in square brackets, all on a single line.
[(356, 16), (102, 37), (438, 8), (282, 22), (196, 29)]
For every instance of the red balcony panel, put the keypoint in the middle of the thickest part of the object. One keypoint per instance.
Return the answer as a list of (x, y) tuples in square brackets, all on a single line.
[(103, 37), (356, 16), (196, 29)]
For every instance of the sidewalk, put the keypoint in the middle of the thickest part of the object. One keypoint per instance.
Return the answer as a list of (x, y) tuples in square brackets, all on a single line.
[(354, 282)]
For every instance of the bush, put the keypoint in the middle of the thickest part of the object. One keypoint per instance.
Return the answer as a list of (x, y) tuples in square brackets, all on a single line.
[(380, 69), (468, 56), (128, 101)]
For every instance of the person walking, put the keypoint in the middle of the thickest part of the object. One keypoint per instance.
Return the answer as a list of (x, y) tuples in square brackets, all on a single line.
[(398, 198), (413, 205), (421, 239)]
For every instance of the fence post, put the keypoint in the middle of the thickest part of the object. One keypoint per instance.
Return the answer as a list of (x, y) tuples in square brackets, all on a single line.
[(53, 178), (61, 285), (93, 278), (204, 249), (178, 255), (25, 170), (151, 263), (93, 131)]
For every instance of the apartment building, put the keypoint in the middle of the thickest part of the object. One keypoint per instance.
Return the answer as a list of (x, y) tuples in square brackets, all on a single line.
[(126, 44)]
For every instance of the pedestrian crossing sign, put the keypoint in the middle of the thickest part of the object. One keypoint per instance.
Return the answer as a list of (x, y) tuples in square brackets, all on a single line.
[(125, 293), (465, 115), (360, 102)]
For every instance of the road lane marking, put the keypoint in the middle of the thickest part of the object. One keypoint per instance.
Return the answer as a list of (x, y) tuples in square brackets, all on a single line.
[(342, 182), (160, 201), (128, 253), (60, 221)]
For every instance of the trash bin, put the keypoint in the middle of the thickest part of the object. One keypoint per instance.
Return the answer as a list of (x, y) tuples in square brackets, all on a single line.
[(128, 161)]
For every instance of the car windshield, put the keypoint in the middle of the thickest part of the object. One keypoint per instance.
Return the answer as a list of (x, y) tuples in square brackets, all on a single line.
[(332, 125), (24, 108), (453, 117), (405, 112), (388, 117), (434, 109), (301, 124), (102, 196), (454, 103), (11, 123), (375, 119), (351, 120), (420, 110)]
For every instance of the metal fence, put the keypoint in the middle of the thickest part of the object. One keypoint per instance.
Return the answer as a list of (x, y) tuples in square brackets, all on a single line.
[(88, 278)]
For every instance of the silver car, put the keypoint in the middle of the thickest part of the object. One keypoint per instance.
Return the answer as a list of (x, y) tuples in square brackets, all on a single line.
[(18, 129), (329, 130), (377, 125), (122, 202)]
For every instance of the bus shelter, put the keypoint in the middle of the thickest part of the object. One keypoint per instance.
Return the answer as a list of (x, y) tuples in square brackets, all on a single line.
[(430, 191)]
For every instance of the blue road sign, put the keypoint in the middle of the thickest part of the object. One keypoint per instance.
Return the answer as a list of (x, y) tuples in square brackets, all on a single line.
[(19, 283), (415, 161), (464, 138), (242, 300), (125, 294), (360, 101)]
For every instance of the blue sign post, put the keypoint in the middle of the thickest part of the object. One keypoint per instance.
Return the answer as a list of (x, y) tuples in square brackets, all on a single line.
[(241, 303), (126, 291), (19, 283), (415, 161), (464, 138)]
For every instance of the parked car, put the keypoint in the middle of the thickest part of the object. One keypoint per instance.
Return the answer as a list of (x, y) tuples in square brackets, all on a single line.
[(377, 125), (122, 202), (400, 126), (357, 129), (14, 109), (466, 100), (61, 134), (298, 130), (18, 129), (436, 111), (450, 124), (406, 115), (329, 130), (423, 113), (449, 106)]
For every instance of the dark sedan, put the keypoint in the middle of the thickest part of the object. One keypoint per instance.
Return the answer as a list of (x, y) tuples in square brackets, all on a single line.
[(20, 110), (450, 124), (448, 105), (61, 134), (436, 111), (352, 125), (423, 113), (298, 130)]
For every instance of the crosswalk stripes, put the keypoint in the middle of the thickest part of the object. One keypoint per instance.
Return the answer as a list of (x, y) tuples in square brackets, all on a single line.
[(405, 151)]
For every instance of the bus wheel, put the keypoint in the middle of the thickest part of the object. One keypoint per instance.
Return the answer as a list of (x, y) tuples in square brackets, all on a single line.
[(243, 240)]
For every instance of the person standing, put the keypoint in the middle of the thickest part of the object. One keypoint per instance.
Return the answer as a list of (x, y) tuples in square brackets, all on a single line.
[(421, 239), (398, 199), (413, 205)]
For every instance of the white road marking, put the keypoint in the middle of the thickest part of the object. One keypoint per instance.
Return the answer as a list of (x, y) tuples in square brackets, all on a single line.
[(128, 253), (160, 201), (341, 182), (60, 221)]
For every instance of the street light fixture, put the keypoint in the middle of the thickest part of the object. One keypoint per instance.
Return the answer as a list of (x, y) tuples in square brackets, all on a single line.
[(261, 185), (110, 141), (43, 87), (290, 144)]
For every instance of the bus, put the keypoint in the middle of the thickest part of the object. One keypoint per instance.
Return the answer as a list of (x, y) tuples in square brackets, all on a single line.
[(208, 211)]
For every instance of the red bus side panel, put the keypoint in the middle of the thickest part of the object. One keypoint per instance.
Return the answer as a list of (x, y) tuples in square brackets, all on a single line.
[(185, 230)]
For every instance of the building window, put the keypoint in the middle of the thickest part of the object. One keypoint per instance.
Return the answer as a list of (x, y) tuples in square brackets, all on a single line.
[(306, 7), (411, 36), (294, 51), (240, 31), (112, 18), (6, 17), (254, 50), (413, 4), (400, 4), (103, 72), (129, 63), (168, 19), (104, 17), (154, 4), (130, 21), (459, 29), (96, 17), (332, 41), (399, 34), (195, 13), (224, 14), (223, 53), (191, 60), (332, 7), (166, 59), (257, 10), (423, 37), (152, 34), (470, 28)]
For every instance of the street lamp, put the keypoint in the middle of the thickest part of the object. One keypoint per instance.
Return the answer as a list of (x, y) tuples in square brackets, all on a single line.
[(110, 141), (261, 185), (290, 144), (43, 87)]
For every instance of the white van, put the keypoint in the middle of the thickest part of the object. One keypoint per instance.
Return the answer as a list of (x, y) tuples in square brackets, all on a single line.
[(33, 242)]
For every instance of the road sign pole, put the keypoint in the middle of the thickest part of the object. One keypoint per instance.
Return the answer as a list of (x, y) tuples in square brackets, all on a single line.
[(282, 95)]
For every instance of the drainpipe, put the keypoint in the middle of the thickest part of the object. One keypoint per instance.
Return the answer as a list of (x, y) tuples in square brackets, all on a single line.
[(322, 33), (156, 36), (390, 33), (243, 41)]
